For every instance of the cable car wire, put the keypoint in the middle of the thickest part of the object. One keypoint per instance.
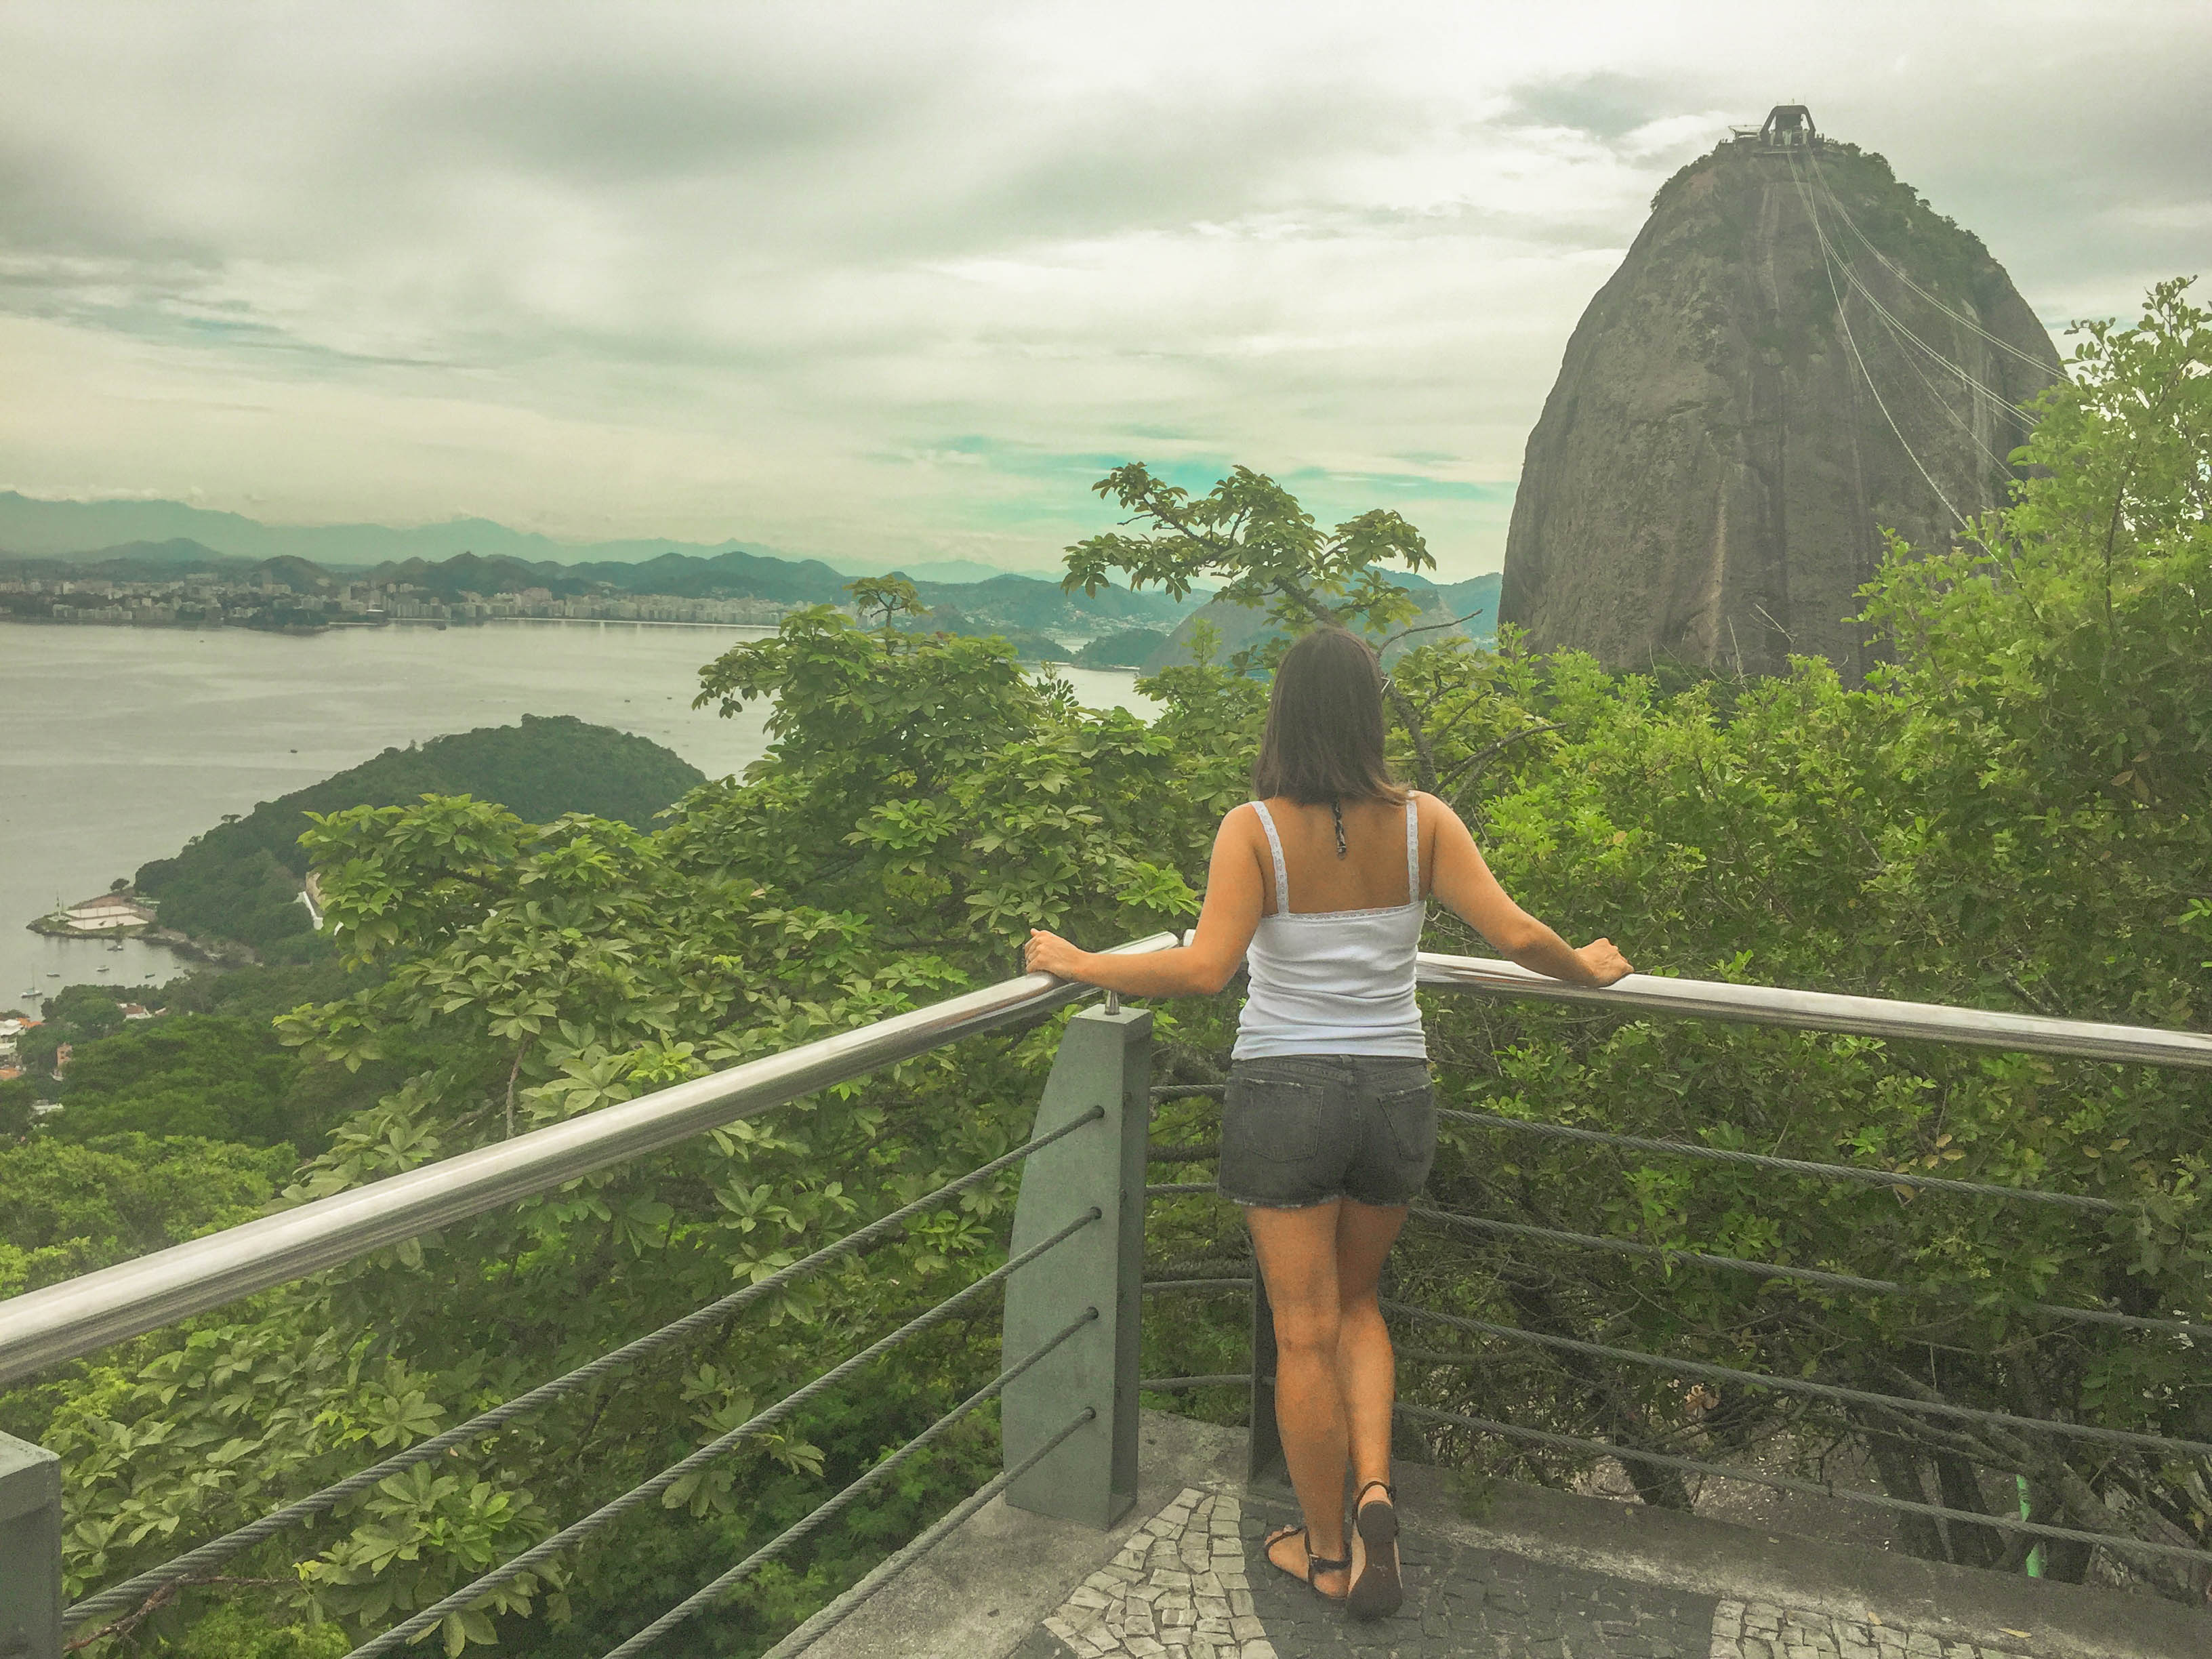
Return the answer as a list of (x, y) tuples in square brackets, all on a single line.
[(1894, 269), (1843, 316)]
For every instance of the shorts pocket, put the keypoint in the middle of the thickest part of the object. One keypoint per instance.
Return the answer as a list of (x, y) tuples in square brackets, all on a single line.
[(1409, 1116), (1271, 1120)]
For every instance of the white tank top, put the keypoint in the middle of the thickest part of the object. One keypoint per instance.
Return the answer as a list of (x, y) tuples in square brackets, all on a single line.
[(1334, 982)]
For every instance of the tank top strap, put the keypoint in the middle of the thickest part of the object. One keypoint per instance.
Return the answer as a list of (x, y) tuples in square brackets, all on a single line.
[(1413, 849), (1275, 846)]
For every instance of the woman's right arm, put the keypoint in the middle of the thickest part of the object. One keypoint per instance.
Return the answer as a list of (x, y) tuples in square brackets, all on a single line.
[(1462, 880), (1226, 923)]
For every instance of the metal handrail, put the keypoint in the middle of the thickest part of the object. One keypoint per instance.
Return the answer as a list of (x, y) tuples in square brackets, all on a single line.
[(1822, 1010), (82, 1315), (79, 1316)]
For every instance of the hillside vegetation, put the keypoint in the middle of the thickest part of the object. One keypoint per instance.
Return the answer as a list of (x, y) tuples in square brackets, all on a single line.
[(241, 880), (2017, 814)]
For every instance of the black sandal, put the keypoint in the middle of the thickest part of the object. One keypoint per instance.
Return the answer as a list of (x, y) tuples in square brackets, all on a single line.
[(1377, 1592), (1315, 1563)]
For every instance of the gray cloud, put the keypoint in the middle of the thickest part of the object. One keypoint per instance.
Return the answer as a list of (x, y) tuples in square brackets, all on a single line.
[(1606, 106), (761, 271)]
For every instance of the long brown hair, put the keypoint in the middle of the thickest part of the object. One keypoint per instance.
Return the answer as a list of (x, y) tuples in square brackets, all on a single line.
[(1324, 738)]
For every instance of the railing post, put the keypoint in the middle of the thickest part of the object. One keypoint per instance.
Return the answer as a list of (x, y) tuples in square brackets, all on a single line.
[(1104, 1063), (30, 1551)]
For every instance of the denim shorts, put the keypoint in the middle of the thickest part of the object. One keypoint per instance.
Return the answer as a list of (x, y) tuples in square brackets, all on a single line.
[(1298, 1130)]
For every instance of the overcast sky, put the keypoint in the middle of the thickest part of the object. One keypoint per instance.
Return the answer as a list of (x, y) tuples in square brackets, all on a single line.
[(905, 279)]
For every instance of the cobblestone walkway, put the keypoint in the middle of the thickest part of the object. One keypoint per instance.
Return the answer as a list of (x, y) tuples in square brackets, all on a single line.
[(1180, 1588), (1759, 1629)]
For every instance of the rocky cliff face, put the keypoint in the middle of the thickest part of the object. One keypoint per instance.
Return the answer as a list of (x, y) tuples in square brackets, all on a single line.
[(1714, 467)]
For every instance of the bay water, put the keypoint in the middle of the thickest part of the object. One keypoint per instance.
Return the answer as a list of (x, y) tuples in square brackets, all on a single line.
[(119, 744)]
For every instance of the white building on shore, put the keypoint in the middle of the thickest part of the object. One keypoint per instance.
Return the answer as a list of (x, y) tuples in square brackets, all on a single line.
[(108, 911)]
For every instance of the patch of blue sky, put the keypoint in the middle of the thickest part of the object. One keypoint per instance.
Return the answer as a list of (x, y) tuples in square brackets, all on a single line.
[(1047, 493)]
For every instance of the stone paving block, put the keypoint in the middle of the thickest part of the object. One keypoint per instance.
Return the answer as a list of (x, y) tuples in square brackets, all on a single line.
[(1184, 1585)]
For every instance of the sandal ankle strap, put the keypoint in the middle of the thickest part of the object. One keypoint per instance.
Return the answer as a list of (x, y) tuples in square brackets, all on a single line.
[(1390, 1491)]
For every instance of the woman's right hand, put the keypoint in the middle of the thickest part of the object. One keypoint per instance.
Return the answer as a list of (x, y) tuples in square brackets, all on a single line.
[(1604, 962)]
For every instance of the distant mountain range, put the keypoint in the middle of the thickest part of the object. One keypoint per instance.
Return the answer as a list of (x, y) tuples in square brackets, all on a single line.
[(475, 555), (1002, 603), (32, 528)]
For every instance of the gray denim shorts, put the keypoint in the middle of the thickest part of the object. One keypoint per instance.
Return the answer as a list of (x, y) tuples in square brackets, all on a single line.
[(1303, 1129)]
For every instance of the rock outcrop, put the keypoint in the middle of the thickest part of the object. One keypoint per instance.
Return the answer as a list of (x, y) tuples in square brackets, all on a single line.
[(1713, 469)]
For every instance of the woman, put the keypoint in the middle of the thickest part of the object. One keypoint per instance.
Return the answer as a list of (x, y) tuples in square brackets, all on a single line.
[(1329, 1125)]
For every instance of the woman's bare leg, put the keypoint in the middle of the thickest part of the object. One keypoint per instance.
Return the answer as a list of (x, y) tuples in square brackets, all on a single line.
[(1366, 1369), (1297, 1255)]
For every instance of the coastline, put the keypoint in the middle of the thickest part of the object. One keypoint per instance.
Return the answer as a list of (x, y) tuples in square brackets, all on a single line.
[(351, 625)]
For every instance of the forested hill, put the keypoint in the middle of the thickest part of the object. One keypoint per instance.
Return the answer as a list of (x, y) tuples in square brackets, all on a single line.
[(241, 880)]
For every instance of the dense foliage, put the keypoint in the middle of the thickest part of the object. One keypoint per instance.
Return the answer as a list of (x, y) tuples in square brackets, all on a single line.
[(68, 1206), (197, 1075), (2014, 816), (241, 880)]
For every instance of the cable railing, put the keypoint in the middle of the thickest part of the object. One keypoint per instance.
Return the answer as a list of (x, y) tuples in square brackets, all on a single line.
[(2029, 1439), (1065, 1391), (1074, 1282)]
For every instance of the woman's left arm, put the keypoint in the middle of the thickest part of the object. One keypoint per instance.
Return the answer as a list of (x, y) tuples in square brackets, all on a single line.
[(1225, 924)]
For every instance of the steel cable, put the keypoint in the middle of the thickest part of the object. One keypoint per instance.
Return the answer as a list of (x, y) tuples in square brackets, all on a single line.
[(824, 1512), (1789, 1165), (1183, 1154), (1802, 1385), (1243, 1284), (1176, 1384), (842, 1609), (1902, 276), (2112, 1542), (1851, 275), (118, 1597), (608, 1513), (1944, 402), (1828, 266), (1806, 1275)]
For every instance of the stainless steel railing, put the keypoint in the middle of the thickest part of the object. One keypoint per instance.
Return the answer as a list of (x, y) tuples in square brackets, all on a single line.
[(65, 1321), (83, 1315), (1820, 1011), (1645, 994)]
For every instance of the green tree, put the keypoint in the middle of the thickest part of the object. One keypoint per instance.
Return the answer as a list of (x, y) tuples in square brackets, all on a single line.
[(70, 1208), (241, 880), (196, 1075), (1252, 532)]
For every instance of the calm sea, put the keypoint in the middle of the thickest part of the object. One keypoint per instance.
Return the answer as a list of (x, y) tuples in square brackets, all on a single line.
[(117, 745)]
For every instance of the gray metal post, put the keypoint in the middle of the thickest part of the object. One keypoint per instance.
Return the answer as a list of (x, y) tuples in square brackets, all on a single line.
[(30, 1551), (1104, 1062)]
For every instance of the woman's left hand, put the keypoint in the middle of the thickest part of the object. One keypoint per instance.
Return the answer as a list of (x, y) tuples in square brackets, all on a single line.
[(1048, 953)]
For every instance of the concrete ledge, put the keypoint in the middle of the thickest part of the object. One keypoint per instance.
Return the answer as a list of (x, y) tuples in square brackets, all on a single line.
[(981, 1592), (1735, 1563)]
